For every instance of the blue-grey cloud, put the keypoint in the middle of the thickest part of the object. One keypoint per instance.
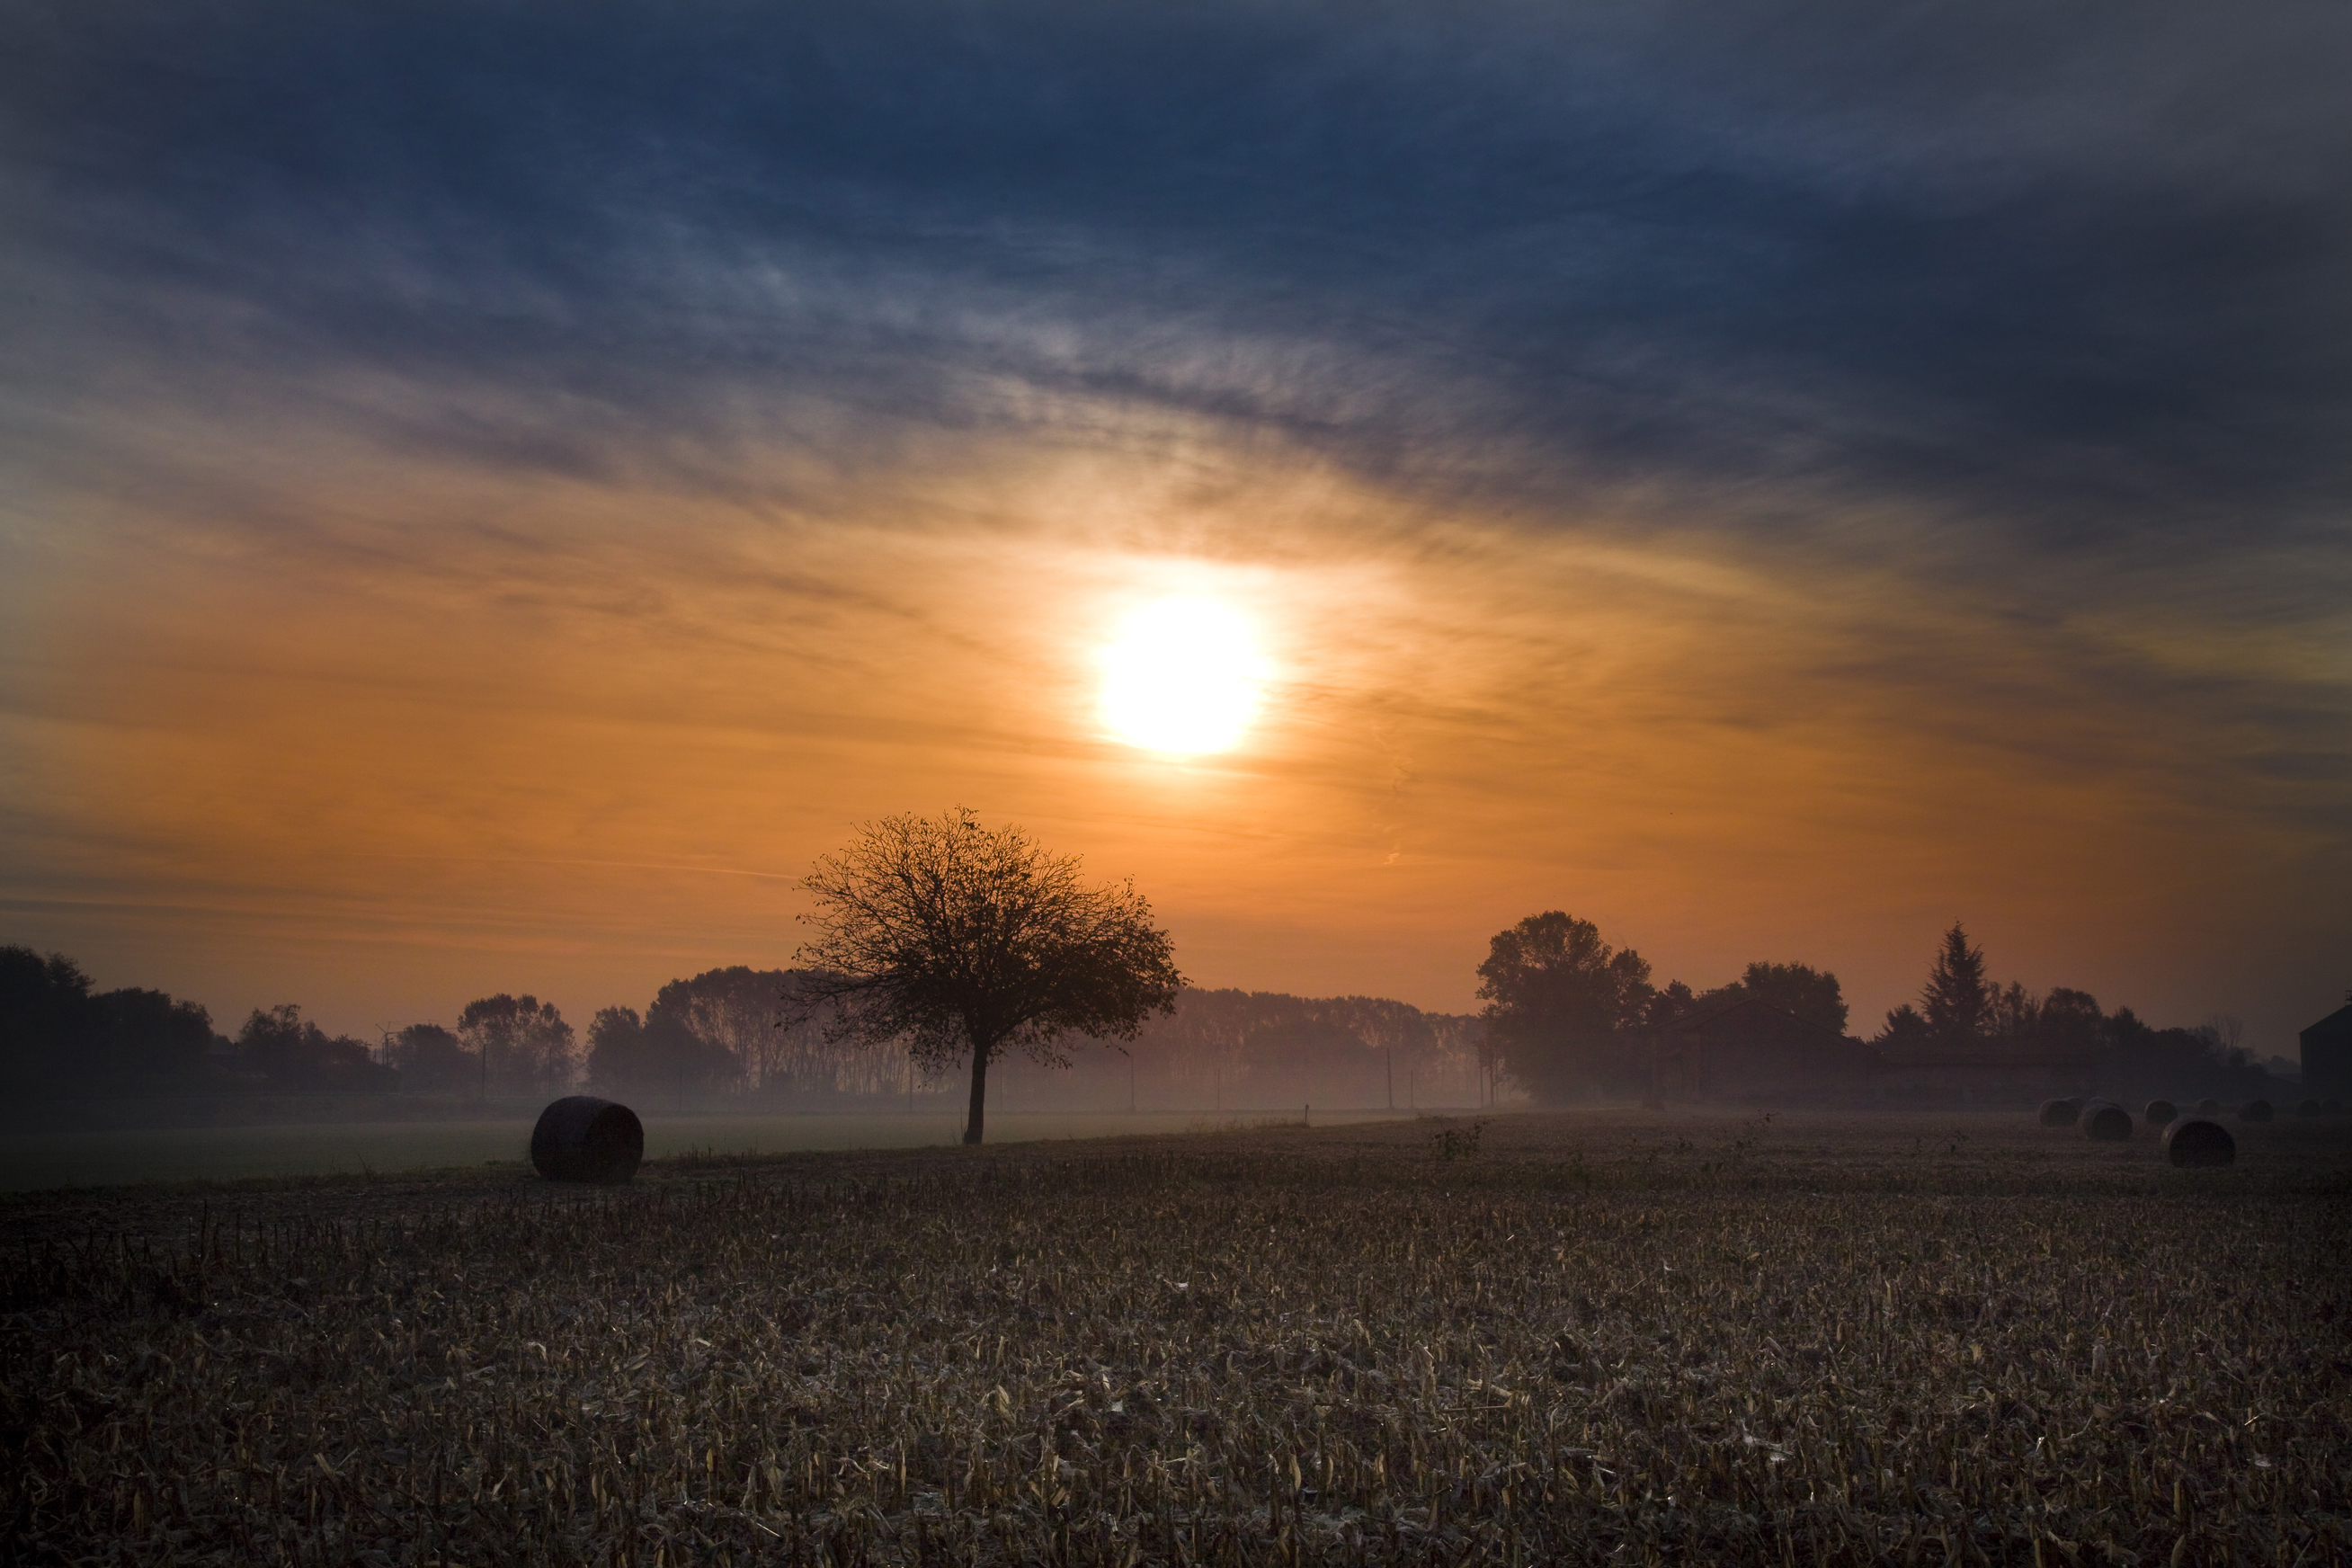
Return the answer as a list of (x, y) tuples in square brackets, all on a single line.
[(2074, 281)]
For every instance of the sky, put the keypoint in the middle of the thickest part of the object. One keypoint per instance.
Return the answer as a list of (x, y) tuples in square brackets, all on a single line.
[(489, 492)]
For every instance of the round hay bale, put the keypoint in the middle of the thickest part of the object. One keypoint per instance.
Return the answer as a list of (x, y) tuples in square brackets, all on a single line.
[(2209, 1108), (2194, 1140), (2254, 1111), (583, 1139), (2061, 1112), (2105, 1122), (2160, 1111), (2332, 1106), (2308, 1108)]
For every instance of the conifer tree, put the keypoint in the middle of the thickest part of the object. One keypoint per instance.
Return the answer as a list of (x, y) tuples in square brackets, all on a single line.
[(1957, 999)]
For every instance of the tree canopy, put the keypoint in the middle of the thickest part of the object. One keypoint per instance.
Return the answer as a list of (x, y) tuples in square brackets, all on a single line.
[(660, 1054), (1809, 993), (56, 1031), (293, 1052), (432, 1059), (958, 940), (520, 1043), (1556, 994)]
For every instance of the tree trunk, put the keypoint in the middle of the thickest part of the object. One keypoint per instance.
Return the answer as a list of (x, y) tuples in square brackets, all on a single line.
[(978, 1092)]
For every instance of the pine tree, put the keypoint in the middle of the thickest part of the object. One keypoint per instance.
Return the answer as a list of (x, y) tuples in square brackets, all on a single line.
[(1957, 999)]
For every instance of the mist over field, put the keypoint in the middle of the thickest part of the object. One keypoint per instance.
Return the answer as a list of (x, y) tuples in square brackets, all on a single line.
[(491, 495), (991, 782)]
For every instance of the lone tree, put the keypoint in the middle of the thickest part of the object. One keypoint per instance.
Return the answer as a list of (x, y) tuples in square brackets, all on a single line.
[(955, 938)]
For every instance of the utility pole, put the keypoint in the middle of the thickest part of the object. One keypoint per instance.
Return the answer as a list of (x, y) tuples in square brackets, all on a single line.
[(1391, 1065)]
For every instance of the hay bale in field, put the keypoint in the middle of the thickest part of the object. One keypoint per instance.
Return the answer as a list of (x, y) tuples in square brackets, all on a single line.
[(583, 1139), (2061, 1112), (2332, 1106), (2106, 1121), (2209, 1108), (2160, 1111), (2308, 1108), (2194, 1140), (2254, 1111)]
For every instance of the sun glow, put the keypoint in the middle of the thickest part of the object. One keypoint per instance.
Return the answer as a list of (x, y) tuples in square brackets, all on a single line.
[(1183, 677)]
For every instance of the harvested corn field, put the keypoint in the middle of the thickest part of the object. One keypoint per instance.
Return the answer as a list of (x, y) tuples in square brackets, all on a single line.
[(1560, 1339)]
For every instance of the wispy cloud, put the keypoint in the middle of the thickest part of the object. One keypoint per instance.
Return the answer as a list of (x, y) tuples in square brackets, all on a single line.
[(461, 431)]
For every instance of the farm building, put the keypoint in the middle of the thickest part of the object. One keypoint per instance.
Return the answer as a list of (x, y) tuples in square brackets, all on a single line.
[(2327, 1054), (1741, 1048), (1983, 1072)]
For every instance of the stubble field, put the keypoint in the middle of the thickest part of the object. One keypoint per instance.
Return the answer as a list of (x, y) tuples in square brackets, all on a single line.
[(34, 1160), (1618, 1338)]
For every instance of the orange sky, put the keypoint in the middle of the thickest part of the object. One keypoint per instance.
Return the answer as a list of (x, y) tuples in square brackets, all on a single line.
[(379, 739), (487, 495)]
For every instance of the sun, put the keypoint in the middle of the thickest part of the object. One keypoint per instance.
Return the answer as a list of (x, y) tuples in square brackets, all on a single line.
[(1183, 677)]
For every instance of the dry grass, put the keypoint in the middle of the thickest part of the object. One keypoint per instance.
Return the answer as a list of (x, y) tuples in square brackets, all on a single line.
[(1598, 1338)]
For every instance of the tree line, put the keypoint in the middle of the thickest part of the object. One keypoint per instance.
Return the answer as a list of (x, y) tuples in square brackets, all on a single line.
[(1565, 1016), (727, 1033), (1962, 1009), (59, 1033), (768, 1036), (1569, 1017)]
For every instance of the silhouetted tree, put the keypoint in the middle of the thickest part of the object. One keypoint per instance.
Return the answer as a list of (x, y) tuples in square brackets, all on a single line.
[(617, 1058), (2069, 1020), (657, 1055), (45, 1017), (2176, 1061), (1557, 996), (1904, 1030), (1666, 1004), (520, 1044), (432, 1060), (1957, 999), (148, 1038), (735, 1011), (1809, 993), (57, 1033), (292, 1052), (958, 940), (2227, 1031), (2013, 1012)]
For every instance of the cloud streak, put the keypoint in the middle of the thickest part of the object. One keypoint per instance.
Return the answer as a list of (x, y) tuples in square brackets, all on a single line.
[(1909, 256), (1752, 428)]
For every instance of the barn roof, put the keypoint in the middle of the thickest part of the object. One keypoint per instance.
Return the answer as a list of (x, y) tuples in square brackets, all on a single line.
[(2337, 1026)]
